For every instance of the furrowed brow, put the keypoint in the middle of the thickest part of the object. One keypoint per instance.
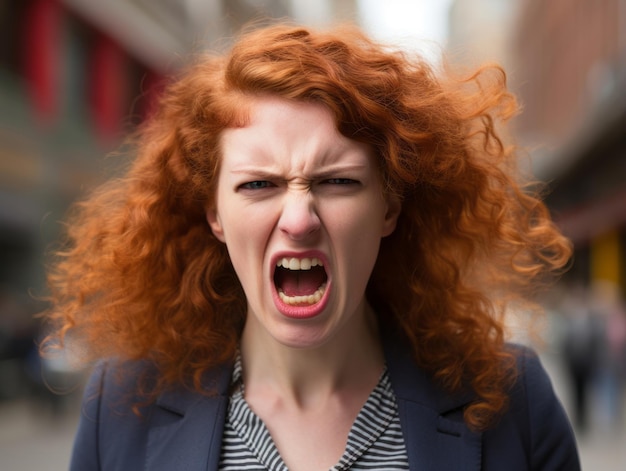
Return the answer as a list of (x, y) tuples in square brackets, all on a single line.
[(332, 172), (256, 173)]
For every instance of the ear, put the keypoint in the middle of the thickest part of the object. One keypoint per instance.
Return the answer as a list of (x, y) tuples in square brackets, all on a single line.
[(394, 207), (215, 224)]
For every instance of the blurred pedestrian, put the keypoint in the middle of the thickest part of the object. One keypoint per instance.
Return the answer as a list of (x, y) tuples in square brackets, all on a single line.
[(608, 305), (582, 343)]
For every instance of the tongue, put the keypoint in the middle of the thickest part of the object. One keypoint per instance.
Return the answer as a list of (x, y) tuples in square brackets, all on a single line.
[(301, 283)]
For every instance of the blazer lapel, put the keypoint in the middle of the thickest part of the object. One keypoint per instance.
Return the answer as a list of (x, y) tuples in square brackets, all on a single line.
[(435, 435), (186, 427), (434, 442)]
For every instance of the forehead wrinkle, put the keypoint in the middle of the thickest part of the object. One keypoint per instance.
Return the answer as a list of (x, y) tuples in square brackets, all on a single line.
[(301, 158), (263, 167), (302, 150), (319, 149), (315, 154)]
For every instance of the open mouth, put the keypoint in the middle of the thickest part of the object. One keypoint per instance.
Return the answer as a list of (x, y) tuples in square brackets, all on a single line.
[(300, 281)]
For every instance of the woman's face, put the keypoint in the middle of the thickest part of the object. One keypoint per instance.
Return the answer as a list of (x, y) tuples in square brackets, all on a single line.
[(301, 211)]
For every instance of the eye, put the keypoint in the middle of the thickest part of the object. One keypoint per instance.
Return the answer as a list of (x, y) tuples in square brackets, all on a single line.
[(256, 185), (340, 181)]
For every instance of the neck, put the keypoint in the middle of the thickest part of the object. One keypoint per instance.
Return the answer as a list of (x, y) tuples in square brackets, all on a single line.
[(350, 361)]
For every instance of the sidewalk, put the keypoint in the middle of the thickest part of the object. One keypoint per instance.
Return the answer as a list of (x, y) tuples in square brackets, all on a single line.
[(32, 438)]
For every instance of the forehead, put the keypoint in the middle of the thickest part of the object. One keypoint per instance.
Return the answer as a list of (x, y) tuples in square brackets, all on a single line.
[(278, 130), (265, 114)]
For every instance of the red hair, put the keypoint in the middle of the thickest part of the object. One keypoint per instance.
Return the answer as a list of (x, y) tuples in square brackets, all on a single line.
[(142, 276)]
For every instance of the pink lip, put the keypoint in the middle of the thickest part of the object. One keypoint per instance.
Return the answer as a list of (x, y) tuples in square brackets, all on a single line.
[(300, 312)]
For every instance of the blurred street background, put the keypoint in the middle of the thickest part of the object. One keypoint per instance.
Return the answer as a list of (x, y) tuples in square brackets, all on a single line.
[(77, 75)]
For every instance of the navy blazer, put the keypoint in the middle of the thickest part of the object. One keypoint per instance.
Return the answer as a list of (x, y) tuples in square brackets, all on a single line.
[(182, 430)]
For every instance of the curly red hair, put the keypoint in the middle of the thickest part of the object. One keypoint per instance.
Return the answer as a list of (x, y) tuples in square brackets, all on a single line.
[(142, 276)]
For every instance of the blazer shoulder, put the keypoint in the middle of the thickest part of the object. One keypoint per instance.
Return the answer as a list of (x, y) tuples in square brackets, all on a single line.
[(120, 428), (121, 385), (113, 415), (537, 414)]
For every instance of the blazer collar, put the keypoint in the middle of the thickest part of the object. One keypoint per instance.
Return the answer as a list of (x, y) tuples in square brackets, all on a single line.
[(435, 434)]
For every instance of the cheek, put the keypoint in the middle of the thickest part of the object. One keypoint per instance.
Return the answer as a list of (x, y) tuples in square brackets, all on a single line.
[(361, 222), (359, 232), (246, 238), (245, 265)]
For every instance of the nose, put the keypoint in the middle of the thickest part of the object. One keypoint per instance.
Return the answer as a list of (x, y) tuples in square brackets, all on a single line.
[(299, 218)]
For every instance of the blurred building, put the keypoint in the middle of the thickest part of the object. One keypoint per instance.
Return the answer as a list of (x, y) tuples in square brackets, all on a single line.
[(566, 60), (479, 31), (573, 54), (75, 77)]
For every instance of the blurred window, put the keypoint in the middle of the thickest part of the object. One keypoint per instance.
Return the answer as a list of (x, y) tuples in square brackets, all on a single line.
[(12, 14)]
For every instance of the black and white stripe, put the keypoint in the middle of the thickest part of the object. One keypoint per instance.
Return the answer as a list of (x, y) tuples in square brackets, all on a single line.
[(375, 440)]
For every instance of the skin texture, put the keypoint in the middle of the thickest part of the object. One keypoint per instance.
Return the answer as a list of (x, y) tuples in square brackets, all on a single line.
[(291, 186)]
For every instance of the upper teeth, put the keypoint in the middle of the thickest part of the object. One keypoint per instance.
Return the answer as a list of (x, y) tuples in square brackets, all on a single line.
[(299, 263)]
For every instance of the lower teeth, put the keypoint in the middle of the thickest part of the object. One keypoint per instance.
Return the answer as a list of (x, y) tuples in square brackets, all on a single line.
[(310, 299)]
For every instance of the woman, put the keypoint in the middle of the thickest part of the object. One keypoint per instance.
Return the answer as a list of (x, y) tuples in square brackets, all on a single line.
[(307, 267)]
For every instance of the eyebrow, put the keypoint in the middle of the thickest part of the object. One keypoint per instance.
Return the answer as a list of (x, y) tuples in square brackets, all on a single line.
[(331, 171)]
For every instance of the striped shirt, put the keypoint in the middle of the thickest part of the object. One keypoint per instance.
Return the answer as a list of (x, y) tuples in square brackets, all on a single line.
[(375, 440)]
